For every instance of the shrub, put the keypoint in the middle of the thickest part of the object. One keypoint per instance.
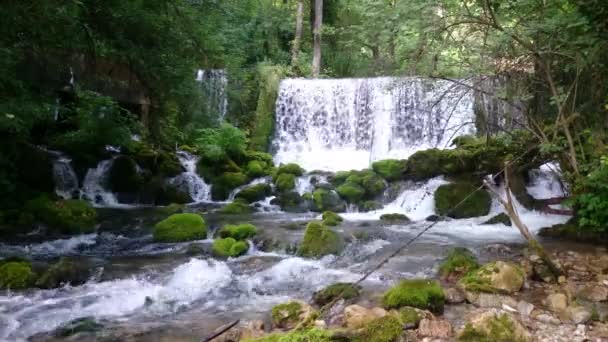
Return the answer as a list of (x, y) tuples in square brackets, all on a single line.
[(219, 143), (180, 227), (419, 293), (242, 231), (592, 204)]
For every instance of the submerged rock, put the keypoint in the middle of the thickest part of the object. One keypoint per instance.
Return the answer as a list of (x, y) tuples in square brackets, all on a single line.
[(77, 326), (395, 217), (180, 228), (449, 201), (418, 293), (495, 277)]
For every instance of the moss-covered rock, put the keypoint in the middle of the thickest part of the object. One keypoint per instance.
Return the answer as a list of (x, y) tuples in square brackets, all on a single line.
[(319, 241), (66, 270), (449, 197), (285, 182), (410, 317), (180, 227), (344, 291), (494, 277), (237, 207), (64, 216), (16, 275), (390, 169), (255, 192), (292, 202), (77, 326), (394, 217), (291, 168), (493, 326), (498, 219), (366, 206), (305, 335), (351, 192), (241, 231), (256, 168), (331, 219), (327, 200), (373, 184), (288, 315), (383, 329), (229, 247), (224, 184), (340, 177), (459, 262), (123, 176), (158, 191), (418, 293)]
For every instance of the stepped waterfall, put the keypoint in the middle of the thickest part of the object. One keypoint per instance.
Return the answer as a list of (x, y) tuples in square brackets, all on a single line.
[(342, 124)]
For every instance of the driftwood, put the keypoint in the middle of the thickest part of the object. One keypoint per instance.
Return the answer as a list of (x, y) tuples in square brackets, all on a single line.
[(511, 211), (221, 331)]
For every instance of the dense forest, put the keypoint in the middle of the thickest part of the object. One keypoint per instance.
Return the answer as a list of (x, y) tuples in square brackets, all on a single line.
[(119, 91)]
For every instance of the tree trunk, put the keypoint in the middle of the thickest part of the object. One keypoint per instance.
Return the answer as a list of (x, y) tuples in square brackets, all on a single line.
[(298, 39), (316, 58)]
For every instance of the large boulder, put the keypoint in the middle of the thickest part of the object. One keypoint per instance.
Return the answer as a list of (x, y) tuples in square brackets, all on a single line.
[(180, 227), (16, 275), (319, 240), (327, 200), (331, 219), (285, 182), (418, 293), (462, 200), (494, 325), (291, 168), (225, 183), (66, 271), (494, 277), (255, 192), (390, 169), (357, 316), (351, 192), (288, 315), (123, 175), (241, 231), (64, 216), (292, 202)]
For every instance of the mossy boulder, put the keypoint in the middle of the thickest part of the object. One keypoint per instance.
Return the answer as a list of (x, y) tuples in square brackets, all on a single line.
[(373, 184), (288, 315), (449, 201), (123, 176), (319, 241), (418, 293), (77, 326), (410, 317), (255, 192), (285, 182), (241, 231), (331, 219), (390, 169), (458, 262), (224, 184), (292, 202), (65, 271), (498, 219), (180, 227), (327, 200), (237, 207), (494, 277), (383, 329), (394, 217), (256, 168), (16, 275), (493, 326), (344, 291), (64, 216), (291, 168), (351, 192), (340, 177), (366, 206), (229, 247)]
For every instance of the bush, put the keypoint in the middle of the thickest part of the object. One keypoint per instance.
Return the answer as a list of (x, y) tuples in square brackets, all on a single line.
[(242, 231), (448, 198), (592, 204), (285, 182), (180, 227), (16, 275), (418, 293), (459, 261), (229, 247), (220, 143), (390, 169), (65, 216), (255, 192), (319, 241)]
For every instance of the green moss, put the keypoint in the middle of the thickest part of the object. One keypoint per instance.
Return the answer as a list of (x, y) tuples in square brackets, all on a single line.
[(351, 192), (325, 200), (287, 314), (395, 217), (180, 227), (390, 169), (290, 202), (237, 207), (80, 325), (66, 270), (306, 335), (16, 275), (123, 175), (449, 197), (409, 316), (224, 184), (255, 192), (319, 240), (459, 261), (500, 218), (269, 77), (229, 247), (65, 216), (340, 177), (256, 168), (331, 219), (419, 293), (494, 277), (285, 182), (500, 328), (242, 231), (291, 168), (373, 184), (383, 329), (339, 290)]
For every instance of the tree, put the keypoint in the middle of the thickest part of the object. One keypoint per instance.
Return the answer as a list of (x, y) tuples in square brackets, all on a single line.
[(316, 59), (298, 38)]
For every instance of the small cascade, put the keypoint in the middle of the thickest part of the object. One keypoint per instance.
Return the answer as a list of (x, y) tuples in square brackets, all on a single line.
[(342, 124), (306, 183), (66, 181), (234, 192), (545, 182), (93, 186), (214, 83), (190, 180)]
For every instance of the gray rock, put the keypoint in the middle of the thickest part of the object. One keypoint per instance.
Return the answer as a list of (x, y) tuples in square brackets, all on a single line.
[(579, 314), (454, 295)]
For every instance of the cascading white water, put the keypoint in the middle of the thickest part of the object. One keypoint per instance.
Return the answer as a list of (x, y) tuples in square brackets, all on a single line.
[(93, 186), (342, 124), (66, 181), (189, 180), (306, 183), (234, 192), (214, 83)]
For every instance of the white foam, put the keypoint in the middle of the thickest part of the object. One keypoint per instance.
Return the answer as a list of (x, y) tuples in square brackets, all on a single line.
[(51, 248), (546, 183)]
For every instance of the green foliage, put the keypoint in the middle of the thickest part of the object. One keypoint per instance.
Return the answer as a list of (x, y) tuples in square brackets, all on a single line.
[(459, 261), (255, 192), (229, 247), (305, 335), (180, 227), (285, 182), (462, 200), (419, 293), (291, 168), (238, 232), (237, 207), (319, 241), (338, 290), (331, 219), (390, 169), (592, 204), (217, 144), (383, 329), (16, 275), (64, 216)]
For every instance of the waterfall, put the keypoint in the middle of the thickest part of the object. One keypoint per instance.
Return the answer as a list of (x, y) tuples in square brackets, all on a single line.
[(342, 124), (93, 187), (256, 181), (66, 181), (189, 180), (214, 83)]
